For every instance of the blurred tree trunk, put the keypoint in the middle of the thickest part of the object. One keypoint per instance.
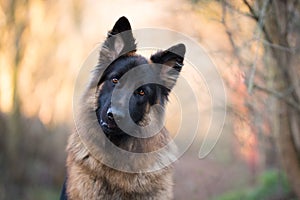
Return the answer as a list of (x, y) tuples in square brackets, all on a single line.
[(282, 36), (279, 23), (15, 25), (288, 132), (15, 115)]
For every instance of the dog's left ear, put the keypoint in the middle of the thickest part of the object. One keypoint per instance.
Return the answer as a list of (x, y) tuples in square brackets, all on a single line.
[(119, 41), (172, 60)]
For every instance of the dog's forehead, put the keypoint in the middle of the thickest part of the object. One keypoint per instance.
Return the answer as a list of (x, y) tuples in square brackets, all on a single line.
[(124, 64)]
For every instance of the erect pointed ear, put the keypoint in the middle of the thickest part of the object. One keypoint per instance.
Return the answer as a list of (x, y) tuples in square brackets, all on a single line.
[(119, 41), (120, 26), (172, 60)]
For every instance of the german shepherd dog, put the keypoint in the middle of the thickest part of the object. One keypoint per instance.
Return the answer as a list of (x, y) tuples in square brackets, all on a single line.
[(128, 177)]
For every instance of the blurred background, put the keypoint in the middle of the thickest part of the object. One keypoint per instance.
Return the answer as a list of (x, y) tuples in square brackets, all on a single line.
[(253, 43)]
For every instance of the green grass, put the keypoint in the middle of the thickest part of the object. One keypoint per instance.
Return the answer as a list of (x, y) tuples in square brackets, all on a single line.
[(272, 184)]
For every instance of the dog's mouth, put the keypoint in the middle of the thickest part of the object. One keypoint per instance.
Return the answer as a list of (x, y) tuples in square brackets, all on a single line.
[(110, 127)]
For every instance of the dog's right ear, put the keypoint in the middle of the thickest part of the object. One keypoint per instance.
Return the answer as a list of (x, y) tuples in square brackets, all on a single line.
[(119, 41), (120, 26)]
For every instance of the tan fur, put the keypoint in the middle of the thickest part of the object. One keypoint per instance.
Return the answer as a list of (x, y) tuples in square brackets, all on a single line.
[(90, 179)]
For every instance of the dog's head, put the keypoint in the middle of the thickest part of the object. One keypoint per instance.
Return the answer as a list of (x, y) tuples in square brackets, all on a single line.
[(119, 53)]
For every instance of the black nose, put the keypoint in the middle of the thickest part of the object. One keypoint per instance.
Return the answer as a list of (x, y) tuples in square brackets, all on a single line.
[(113, 114), (110, 115)]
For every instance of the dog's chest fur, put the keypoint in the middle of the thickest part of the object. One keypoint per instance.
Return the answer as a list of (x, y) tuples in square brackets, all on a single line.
[(90, 179)]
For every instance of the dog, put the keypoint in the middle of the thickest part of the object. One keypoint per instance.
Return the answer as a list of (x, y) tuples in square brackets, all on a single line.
[(103, 124)]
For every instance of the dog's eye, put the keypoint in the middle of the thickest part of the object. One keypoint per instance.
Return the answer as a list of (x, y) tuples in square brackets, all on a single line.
[(114, 80), (141, 92)]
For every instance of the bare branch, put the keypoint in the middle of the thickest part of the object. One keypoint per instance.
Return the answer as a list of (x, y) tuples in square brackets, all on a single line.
[(231, 8), (252, 11), (257, 18), (228, 32), (257, 37), (279, 96), (236, 48), (277, 46), (291, 16)]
